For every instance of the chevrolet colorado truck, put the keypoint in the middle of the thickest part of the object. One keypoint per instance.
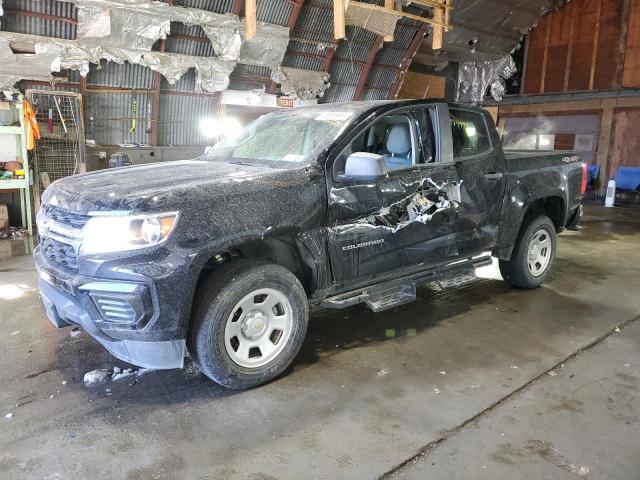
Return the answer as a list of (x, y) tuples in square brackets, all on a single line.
[(326, 206)]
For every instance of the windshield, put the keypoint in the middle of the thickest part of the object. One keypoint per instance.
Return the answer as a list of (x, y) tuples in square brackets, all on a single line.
[(292, 136)]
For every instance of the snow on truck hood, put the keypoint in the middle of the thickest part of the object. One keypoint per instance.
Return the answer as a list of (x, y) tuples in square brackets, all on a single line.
[(151, 187)]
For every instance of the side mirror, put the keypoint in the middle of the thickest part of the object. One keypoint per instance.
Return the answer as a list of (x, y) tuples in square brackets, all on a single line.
[(364, 167)]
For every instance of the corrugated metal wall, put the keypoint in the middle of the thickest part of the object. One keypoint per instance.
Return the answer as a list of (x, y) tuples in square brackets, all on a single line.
[(111, 88), (113, 113), (179, 118)]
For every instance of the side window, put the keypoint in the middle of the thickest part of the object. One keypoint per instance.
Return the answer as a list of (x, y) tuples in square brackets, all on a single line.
[(426, 136), (392, 136), (469, 132)]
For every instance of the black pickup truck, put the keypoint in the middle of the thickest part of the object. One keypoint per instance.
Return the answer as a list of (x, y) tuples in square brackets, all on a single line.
[(318, 207)]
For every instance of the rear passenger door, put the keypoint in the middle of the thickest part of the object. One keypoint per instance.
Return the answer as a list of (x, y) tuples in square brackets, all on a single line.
[(480, 166)]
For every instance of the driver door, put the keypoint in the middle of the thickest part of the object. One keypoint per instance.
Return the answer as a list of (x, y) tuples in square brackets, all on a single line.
[(378, 226)]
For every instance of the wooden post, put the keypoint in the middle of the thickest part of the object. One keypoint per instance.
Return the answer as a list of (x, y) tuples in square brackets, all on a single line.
[(250, 19), (389, 5), (339, 28), (446, 15), (437, 29), (604, 142)]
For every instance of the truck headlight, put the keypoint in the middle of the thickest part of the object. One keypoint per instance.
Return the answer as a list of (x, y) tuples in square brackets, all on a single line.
[(106, 234)]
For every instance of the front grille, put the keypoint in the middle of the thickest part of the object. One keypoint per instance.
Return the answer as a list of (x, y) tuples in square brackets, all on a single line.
[(59, 252), (114, 309), (63, 217)]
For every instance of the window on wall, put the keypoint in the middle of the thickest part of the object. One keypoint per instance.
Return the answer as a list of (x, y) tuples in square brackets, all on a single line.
[(469, 132)]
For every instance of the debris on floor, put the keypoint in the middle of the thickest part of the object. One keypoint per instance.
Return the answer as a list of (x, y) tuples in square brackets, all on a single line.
[(8, 416), (383, 372), (101, 375), (75, 332), (95, 377), (14, 233)]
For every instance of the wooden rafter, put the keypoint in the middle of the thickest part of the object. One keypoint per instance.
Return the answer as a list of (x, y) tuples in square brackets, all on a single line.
[(339, 27), (441, 16), (250, 19), (389, 5)]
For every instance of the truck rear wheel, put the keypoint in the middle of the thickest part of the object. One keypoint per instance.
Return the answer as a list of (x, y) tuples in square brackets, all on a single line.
[(533, 254), (249, 323)]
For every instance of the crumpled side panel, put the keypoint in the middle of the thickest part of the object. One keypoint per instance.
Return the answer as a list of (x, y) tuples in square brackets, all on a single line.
[(303, 84), (474, 78)]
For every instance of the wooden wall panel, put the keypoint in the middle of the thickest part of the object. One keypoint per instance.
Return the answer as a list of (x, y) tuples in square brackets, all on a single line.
[(585, 45), (418, 85), (558, 49), (535, 57), (609, 57), (631, 77), (583, 40), (625, 141)]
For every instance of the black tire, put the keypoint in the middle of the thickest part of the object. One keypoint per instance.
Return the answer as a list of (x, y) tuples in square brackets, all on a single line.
[(516, 272), (215, 302)]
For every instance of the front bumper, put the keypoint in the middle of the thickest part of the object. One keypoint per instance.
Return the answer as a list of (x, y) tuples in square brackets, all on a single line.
[(64, 308)]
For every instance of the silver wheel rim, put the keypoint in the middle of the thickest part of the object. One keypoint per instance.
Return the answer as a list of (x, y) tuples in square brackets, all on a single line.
[(258, 328), (539, 254)]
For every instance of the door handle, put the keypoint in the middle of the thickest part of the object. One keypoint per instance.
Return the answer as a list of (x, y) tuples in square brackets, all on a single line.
[(493, 175)]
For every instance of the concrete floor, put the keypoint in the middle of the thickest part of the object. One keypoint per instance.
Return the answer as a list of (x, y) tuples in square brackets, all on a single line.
[(478, 382)]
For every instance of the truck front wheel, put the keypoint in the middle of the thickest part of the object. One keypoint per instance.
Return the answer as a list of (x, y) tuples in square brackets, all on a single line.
[(533, 254), (249, 323)]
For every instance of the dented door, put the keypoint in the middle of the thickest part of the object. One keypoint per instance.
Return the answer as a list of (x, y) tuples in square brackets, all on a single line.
[(368, 235), (404, 220)]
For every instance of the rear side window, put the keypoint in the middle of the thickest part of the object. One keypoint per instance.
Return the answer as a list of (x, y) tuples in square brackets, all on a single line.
[(469, 132)]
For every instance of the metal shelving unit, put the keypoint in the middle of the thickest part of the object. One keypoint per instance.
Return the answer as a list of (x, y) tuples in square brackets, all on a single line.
[(21, 184)]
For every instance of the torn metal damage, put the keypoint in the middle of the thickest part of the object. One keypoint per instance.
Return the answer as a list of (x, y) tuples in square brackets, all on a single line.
[(430, 199)]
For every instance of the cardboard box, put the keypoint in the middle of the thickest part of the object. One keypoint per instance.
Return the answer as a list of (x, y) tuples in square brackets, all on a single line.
[(4, 216), (5, 249)]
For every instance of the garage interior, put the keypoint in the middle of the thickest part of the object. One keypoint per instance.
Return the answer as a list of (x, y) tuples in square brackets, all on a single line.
[(479, 381)]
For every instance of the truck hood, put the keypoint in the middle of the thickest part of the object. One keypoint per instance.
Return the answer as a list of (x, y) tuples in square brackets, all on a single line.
[(158, 186)]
